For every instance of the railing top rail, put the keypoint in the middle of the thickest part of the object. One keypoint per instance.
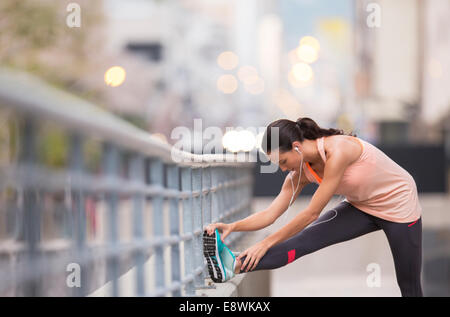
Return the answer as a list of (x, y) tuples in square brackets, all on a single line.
[(30, 95)]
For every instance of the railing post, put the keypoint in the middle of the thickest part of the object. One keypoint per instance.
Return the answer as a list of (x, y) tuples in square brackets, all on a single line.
[(198, 225), (78, 200), (188, 228), (208, 188), (156, 179), (111, 164), (173, 183), (214, 195), (137, 177), (223, 194), (206, 195), (32, 212), (219, 193)]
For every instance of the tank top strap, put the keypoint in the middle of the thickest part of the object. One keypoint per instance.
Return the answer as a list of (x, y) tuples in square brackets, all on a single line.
[(308, 173), (321, 148), (360, 143)]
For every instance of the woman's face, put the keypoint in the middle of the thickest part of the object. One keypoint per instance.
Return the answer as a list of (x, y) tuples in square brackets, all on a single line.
[(288, 161)]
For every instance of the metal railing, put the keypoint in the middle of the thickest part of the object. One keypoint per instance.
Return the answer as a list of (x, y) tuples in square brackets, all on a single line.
[(132, 225)]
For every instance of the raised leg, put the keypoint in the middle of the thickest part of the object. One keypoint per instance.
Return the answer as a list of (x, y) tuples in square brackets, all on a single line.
[(342, 223)]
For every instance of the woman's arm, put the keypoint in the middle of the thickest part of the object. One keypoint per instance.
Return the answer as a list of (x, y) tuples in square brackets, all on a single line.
[(266, 217), (334, 170)]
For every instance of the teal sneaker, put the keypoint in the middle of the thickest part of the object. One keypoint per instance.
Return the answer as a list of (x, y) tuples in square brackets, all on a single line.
[(220, 260)]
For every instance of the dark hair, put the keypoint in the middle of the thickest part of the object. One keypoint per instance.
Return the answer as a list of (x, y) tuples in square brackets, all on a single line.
[(290, 131)]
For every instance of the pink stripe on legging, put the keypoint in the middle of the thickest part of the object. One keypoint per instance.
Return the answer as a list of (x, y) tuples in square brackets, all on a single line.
[(291, 256), (411, 224)]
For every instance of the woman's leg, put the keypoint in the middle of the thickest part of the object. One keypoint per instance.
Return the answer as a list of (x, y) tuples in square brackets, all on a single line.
[(342, 223), (405, 240)]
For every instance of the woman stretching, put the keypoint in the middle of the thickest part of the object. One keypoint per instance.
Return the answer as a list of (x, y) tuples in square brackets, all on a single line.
[(380, 195)]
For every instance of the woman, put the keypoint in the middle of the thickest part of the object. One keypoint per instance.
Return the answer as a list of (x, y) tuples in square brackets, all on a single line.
[(380, 195)]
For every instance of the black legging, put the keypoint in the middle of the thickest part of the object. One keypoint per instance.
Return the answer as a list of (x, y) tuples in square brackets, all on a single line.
[(346, 222)]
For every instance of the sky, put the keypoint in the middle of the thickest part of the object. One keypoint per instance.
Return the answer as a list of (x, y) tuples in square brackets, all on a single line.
[(300, 16)]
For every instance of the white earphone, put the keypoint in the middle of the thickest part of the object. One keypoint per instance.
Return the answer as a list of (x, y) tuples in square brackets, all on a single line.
[(299, 177)]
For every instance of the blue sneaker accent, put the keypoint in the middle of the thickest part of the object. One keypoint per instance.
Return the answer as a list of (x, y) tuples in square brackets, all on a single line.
[(220, 246)]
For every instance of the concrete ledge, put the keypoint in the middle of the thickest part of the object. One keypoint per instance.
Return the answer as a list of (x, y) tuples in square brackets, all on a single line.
[(252, 284)]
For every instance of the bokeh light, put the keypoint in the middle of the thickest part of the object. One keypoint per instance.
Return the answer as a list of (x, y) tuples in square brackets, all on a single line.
[(236, 141), (230, 141), (307, 53), (228, 60), (310, 41), (115, 76), (302, 72), (247, 140), (227, 84)]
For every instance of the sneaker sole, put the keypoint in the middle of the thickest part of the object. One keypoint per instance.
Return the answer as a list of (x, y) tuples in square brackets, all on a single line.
[(211, 254)]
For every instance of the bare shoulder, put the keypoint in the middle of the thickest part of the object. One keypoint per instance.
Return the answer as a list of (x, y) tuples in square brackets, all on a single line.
[(344, 145)]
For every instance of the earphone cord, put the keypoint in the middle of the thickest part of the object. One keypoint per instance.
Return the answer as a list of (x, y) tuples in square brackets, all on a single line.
[(294, 191), (298, 183)]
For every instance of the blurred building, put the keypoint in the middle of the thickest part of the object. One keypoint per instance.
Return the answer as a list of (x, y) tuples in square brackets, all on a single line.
[(399, 68), (436, 75), (170, 50), (317, 85)]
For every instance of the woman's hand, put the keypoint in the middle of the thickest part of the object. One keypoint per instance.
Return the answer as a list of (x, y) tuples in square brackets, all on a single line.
[(253, 255), (224, 228)]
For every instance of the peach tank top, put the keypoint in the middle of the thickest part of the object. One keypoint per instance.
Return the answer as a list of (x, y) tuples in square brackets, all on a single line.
[(376, 185)]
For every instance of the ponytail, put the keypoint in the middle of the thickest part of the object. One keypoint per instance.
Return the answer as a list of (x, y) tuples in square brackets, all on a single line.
[(290, 131)]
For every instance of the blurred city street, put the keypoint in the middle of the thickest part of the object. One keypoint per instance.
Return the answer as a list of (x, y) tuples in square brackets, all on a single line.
[(126, 126)]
